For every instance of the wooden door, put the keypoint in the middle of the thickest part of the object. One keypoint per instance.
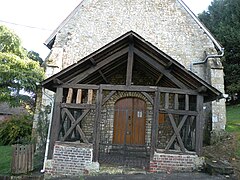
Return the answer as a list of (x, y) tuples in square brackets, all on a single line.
[(129, 121)]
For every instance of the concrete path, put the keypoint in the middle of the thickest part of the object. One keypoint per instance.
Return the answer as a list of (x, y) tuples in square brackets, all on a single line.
[(161, 176), (175, 176)]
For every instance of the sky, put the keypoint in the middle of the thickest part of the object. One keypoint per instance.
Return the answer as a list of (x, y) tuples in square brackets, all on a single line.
[(34, 20)]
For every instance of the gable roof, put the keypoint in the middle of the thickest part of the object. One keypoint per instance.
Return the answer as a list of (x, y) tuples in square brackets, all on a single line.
[(50, 41), (108, 59)]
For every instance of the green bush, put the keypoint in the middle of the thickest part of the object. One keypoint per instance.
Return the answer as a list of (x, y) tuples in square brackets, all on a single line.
[(16, 129)]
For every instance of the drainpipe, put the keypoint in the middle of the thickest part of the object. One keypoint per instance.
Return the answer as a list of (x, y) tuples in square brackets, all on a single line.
[(211, 56), (220, 48), (49, 132)]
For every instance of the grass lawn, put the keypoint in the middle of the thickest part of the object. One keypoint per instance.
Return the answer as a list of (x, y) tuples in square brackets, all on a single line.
[(233, 118), (233, 112), (233, 122), (5, 160)]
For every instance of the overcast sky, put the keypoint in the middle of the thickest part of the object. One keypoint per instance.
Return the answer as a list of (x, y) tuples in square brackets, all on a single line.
[(34, 20)]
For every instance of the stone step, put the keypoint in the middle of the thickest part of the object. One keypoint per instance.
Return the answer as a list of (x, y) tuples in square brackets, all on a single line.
[(214, 167), (134, 153), (134, 171)]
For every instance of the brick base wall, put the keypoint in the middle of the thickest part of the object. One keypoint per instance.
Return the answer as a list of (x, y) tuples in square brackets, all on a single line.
[(174, 162), (71, 159)]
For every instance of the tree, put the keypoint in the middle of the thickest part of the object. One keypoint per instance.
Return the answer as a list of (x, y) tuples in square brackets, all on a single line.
[(35, 56), (223, 20), (16, 129), (18, 73), (10, 42)]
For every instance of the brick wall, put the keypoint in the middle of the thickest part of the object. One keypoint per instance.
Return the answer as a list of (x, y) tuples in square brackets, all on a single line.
[(174, 162), (71, 159)]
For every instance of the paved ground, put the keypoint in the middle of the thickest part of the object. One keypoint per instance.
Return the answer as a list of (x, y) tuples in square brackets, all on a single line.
[(140, 176), (162, 176)]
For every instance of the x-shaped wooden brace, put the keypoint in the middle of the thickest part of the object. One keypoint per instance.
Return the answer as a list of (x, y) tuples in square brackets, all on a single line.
[(75, 123), (176, 132)]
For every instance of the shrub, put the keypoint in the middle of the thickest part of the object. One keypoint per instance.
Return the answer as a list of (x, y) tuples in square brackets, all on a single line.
[(16, 129)]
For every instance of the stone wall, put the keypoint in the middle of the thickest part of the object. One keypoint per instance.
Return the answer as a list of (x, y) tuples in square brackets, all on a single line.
[(164, 23), (71, 159), (218, 107), (174, 162)]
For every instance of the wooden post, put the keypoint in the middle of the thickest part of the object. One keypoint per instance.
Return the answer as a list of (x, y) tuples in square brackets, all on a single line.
[(199, 125), (55, 128), (96, 133), (79, 96), (155, 123), (166, 106), (186, 102), (90, 96), (176, 103), (130, 63), (69, 96)]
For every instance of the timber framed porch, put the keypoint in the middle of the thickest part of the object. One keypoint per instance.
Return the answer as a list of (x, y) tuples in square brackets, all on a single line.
[(171, 108)]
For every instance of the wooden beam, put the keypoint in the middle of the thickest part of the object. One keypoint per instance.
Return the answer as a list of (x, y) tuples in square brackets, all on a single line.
[(75, 123), (199, 125), (80, 86), (103, 76), (160, 67), (108, 97), (96, 132), (176, 131), (69, 96), (106, 71), (99, 65), (178, 112), (63, 119), (56, 81), (176, 102), (55, 127), (149, 98), (186, 102), (130, 64), (78, 106), (175, 134), (93, 61), (79, 96), (202, 89), (166, 104), (159, 78), (178, 91), (169, 65), (129, 88), (90, 96), (154, 127)]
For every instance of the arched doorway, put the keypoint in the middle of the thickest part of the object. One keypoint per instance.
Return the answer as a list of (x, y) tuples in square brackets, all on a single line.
[(129, 121)]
